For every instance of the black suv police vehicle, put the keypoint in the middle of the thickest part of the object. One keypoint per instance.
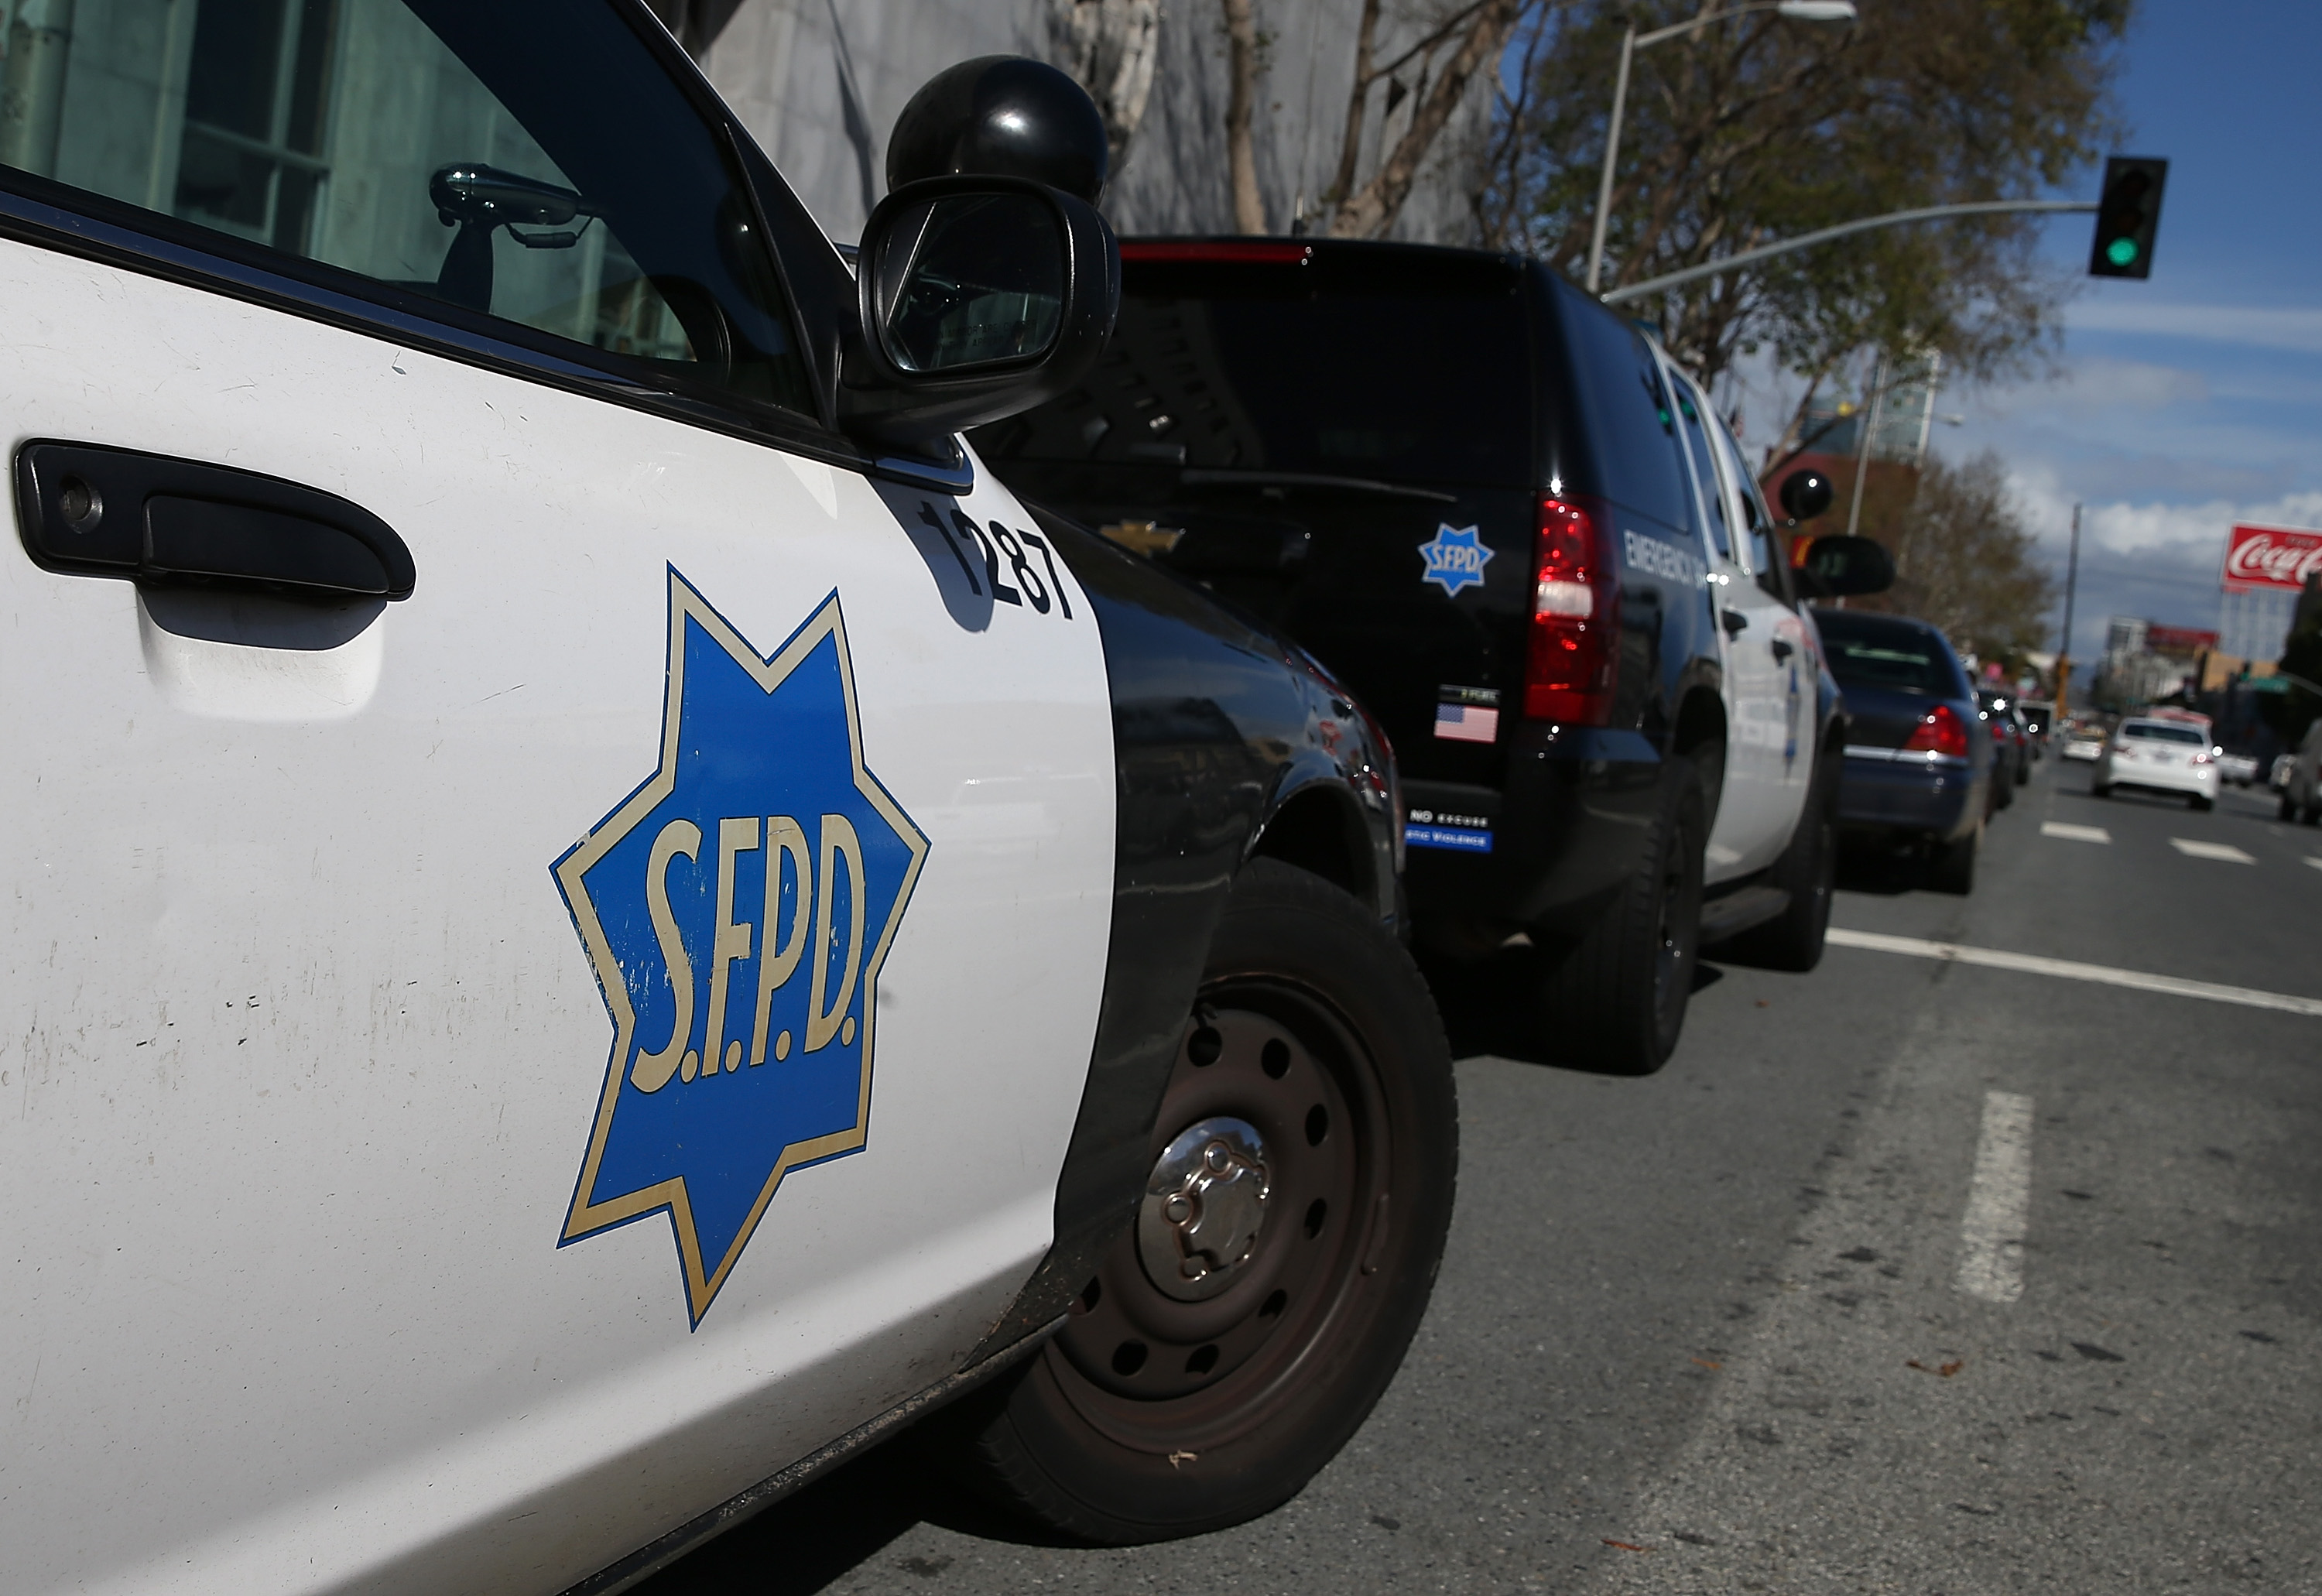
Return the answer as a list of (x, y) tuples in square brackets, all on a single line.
[(1497, 511)]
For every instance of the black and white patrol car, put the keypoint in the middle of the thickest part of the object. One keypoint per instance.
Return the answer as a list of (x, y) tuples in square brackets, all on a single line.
[(595, 916), (1528, 544)]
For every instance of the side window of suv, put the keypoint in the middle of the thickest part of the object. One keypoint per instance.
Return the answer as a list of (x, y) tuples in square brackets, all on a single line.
[(1758, 539), (1704, 468), (1621, 397), (528, 162)]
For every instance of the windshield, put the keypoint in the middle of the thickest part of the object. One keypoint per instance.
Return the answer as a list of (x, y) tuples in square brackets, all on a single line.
[(1273, 367), (2153, 731), (1905, 660)]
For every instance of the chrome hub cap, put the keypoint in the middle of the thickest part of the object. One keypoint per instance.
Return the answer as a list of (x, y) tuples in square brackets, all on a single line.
[(1204, 1208)]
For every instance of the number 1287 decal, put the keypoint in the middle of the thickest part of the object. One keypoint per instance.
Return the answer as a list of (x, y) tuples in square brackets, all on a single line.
[(1009, 573)]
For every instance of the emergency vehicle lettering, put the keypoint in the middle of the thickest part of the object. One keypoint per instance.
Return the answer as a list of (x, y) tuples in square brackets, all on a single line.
[(1642, 551), (725, 933)]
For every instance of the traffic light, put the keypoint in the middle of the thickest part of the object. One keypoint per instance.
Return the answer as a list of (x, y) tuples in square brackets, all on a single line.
[(2127, 218)]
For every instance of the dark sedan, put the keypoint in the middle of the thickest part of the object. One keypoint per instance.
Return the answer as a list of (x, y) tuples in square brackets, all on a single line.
[(1918, 760)]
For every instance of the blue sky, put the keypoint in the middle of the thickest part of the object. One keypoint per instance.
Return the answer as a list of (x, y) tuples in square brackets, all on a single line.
[(2193, 400)]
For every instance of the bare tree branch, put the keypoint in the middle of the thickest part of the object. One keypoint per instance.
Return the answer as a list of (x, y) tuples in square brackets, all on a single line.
[(1241, 156), (1370, 210)]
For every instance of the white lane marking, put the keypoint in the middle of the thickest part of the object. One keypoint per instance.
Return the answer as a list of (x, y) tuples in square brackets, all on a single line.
[(1998, 1202), (2316, 863), (2069, 970), (2076, 834), (2224, 851)]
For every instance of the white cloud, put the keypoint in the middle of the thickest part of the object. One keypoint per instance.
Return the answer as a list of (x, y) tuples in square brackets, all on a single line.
[(2256, 326), (2093, 384), (2177, 537)]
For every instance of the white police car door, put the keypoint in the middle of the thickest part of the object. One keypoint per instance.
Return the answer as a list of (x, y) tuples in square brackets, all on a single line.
[(1738, 836), (1784, 717), (493, 1072)]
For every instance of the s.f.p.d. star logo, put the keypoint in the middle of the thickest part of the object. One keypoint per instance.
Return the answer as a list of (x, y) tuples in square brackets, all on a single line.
[(737, 906)]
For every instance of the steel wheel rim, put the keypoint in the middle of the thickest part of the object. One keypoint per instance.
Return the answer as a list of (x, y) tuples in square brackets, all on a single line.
[(1211, 1371)]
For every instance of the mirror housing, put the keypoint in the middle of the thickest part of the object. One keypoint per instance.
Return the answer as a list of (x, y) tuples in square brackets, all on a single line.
[(1841, 567), (938, 353), (986, 282), (1805, 494)]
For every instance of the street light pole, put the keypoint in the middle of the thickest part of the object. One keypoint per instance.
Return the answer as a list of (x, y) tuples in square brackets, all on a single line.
[(1801, 11), (2064, 651)]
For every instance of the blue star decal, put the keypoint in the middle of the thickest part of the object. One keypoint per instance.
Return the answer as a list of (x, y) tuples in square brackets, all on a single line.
[(737, 907), (1455, 559)]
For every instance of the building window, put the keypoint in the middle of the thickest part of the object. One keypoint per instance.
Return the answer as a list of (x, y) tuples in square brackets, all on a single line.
[(256, 118)]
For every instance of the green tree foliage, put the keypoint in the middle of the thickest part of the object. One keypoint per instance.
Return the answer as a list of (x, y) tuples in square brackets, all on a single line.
[(1963, 557), (1756, 129)]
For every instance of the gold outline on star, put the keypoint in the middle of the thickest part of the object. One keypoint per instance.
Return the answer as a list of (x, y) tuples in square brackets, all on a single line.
[(585, 1218)]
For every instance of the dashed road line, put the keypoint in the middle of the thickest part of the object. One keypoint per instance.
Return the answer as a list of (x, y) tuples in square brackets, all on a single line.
[(2075, 834), (1998, 1202), (2069, 969), (2224, 850), (2316, 863)]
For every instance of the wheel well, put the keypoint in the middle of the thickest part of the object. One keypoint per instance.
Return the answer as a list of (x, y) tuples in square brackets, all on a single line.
[(1700, 721), (1319, 831)]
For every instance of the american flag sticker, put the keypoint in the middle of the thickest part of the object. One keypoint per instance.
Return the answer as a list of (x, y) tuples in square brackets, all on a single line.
[(1466, 722)]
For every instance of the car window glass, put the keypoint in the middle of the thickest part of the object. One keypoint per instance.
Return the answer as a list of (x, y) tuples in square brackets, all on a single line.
[(1875, 656), (1705, 471), (1626, 408), (1334, 368), (529, 162), (2145, 731), (1761, 544)]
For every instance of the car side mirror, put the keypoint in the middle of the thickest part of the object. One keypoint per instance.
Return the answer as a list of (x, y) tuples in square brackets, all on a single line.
[(1840, 566), (987, 282), (1805, 494)]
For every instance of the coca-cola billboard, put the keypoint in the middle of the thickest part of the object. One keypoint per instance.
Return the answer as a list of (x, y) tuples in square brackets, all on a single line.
[(2271, 559)]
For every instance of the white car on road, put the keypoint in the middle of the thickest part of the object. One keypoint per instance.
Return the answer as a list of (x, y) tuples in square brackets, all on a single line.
[(2084, 743), (2159, 756)]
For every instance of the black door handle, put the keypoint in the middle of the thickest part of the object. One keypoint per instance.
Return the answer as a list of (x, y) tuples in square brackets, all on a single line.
[(1736, 622), (1781, 648), (87, 510)]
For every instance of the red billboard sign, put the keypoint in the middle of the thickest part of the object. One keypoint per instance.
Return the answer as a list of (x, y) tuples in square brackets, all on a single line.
[(2177, 640), (2271, 559)]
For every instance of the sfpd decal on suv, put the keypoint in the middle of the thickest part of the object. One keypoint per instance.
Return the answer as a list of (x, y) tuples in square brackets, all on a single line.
[(736, 908), (1455, 557)]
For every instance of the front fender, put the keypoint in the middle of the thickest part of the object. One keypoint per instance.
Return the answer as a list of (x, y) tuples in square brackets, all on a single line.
[(1228, 742)]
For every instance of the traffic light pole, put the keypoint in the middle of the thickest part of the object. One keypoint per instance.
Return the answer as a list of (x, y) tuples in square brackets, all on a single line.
[(1981, 207)]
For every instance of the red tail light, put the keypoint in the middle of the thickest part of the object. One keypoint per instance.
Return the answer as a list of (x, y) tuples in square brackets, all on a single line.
[(1569, 658), (1205, 252), (1939, 731)]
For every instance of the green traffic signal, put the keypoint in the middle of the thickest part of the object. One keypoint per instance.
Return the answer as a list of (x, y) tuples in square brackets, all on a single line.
[(2128, 215)]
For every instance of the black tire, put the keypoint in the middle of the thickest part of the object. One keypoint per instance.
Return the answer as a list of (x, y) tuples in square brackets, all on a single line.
[(2100, 790), (2003, 789), (2201, 803), (1314, 1026), (1806, 871), (1615, 1001), (1951, 867), (2309, 814), (2023, 772), (2288, 810)]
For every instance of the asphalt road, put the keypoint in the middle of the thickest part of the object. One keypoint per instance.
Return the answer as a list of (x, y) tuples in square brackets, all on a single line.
[(1905, 1275)]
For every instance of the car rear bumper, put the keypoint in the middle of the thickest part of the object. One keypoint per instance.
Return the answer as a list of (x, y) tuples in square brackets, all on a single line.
[(1882, 790), (1547, 849), (2198, 779)]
